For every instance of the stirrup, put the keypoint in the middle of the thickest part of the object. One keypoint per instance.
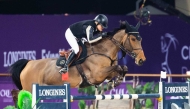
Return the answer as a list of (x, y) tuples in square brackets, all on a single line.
[(63, 70)]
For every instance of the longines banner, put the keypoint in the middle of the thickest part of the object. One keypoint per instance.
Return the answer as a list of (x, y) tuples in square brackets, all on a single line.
[(166, 42)]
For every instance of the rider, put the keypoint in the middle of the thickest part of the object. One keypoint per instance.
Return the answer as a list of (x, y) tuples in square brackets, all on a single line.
[(88, 29)]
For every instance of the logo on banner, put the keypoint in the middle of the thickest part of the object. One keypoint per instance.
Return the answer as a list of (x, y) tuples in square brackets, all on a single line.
[(5, 95), (48, 54), (166, 42), (11, 57), (185, 54)]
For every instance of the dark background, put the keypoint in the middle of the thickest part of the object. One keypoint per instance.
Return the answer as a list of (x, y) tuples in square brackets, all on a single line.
[(112, 7)]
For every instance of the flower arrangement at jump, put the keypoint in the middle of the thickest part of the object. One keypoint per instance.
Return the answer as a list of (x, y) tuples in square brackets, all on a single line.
[(147, 88), (24, 101)]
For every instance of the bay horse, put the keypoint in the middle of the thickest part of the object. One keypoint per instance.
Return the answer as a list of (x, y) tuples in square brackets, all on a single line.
[(100, 64)]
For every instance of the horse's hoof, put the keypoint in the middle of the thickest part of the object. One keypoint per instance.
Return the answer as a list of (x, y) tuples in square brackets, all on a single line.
[(121, 78), (110, 85), (119, 68), (125, 68), (117, 83)]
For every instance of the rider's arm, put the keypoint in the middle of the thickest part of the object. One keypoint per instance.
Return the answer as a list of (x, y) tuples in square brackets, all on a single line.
[(92, 38)]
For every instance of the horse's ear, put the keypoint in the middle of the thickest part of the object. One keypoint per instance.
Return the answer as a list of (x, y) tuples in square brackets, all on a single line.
[(138, 25), (122, 24), (128, 27)]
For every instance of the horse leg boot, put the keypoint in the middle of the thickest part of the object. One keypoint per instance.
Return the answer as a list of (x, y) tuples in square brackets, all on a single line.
[(115, 81), (120, 77), (69, 60), (123, 72)]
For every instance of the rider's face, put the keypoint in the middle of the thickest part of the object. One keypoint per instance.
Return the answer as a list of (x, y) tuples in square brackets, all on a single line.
[(100, 27)]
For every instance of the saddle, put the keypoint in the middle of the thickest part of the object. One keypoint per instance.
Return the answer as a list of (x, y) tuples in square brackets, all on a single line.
[(80, 57)]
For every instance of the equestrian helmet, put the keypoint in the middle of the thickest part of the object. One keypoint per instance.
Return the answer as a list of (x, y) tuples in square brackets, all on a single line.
[(102, 19)]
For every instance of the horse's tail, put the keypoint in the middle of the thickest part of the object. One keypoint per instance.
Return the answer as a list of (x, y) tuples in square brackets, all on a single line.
[(15, 70)]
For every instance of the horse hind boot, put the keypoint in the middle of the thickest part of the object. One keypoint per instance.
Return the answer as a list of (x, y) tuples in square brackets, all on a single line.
[(64, 55), (68, 62), (60, 63)]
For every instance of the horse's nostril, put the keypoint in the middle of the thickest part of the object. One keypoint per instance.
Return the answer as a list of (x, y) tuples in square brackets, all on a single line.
[(140, 62)]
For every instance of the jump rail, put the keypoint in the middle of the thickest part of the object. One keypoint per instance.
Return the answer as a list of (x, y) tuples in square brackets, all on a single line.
[(157, 75), (5, 74), (115, 97)]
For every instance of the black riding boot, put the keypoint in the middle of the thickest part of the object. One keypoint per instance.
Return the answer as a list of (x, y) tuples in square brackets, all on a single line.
[(70, 58)]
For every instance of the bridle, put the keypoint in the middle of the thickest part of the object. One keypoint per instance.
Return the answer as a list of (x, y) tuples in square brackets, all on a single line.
[(121, 46)]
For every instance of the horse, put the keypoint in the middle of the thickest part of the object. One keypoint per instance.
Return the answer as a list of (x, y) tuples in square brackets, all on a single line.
[(100, 63)]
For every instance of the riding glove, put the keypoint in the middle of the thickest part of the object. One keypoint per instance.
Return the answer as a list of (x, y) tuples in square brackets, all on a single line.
[(104, 34)]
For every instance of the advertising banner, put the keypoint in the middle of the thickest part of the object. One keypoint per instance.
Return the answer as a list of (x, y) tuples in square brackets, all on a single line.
[(166, 43)]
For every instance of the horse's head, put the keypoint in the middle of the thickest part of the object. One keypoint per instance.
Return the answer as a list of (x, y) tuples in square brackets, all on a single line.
[(130, 42)]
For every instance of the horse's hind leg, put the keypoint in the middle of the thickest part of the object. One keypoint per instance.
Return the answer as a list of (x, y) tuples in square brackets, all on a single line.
[(14, 94), (28, 78)]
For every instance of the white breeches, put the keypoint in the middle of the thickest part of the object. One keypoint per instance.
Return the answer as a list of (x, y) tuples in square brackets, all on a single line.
[(71, 39)]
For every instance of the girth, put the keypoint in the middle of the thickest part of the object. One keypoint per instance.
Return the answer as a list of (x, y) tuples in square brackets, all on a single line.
[(85, 81)]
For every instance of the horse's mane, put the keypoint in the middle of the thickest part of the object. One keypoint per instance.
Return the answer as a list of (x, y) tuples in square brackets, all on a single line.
[(121, 26)]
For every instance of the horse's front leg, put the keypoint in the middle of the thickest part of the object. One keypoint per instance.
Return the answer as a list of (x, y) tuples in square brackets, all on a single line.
[(115, 71), (115, 75), (121, 71), (124, 71)]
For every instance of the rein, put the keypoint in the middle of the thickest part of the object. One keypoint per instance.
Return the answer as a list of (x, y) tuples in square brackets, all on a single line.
[(121, 46)]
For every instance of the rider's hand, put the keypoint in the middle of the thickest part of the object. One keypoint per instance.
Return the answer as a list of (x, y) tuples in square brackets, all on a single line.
[(104, 34)]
